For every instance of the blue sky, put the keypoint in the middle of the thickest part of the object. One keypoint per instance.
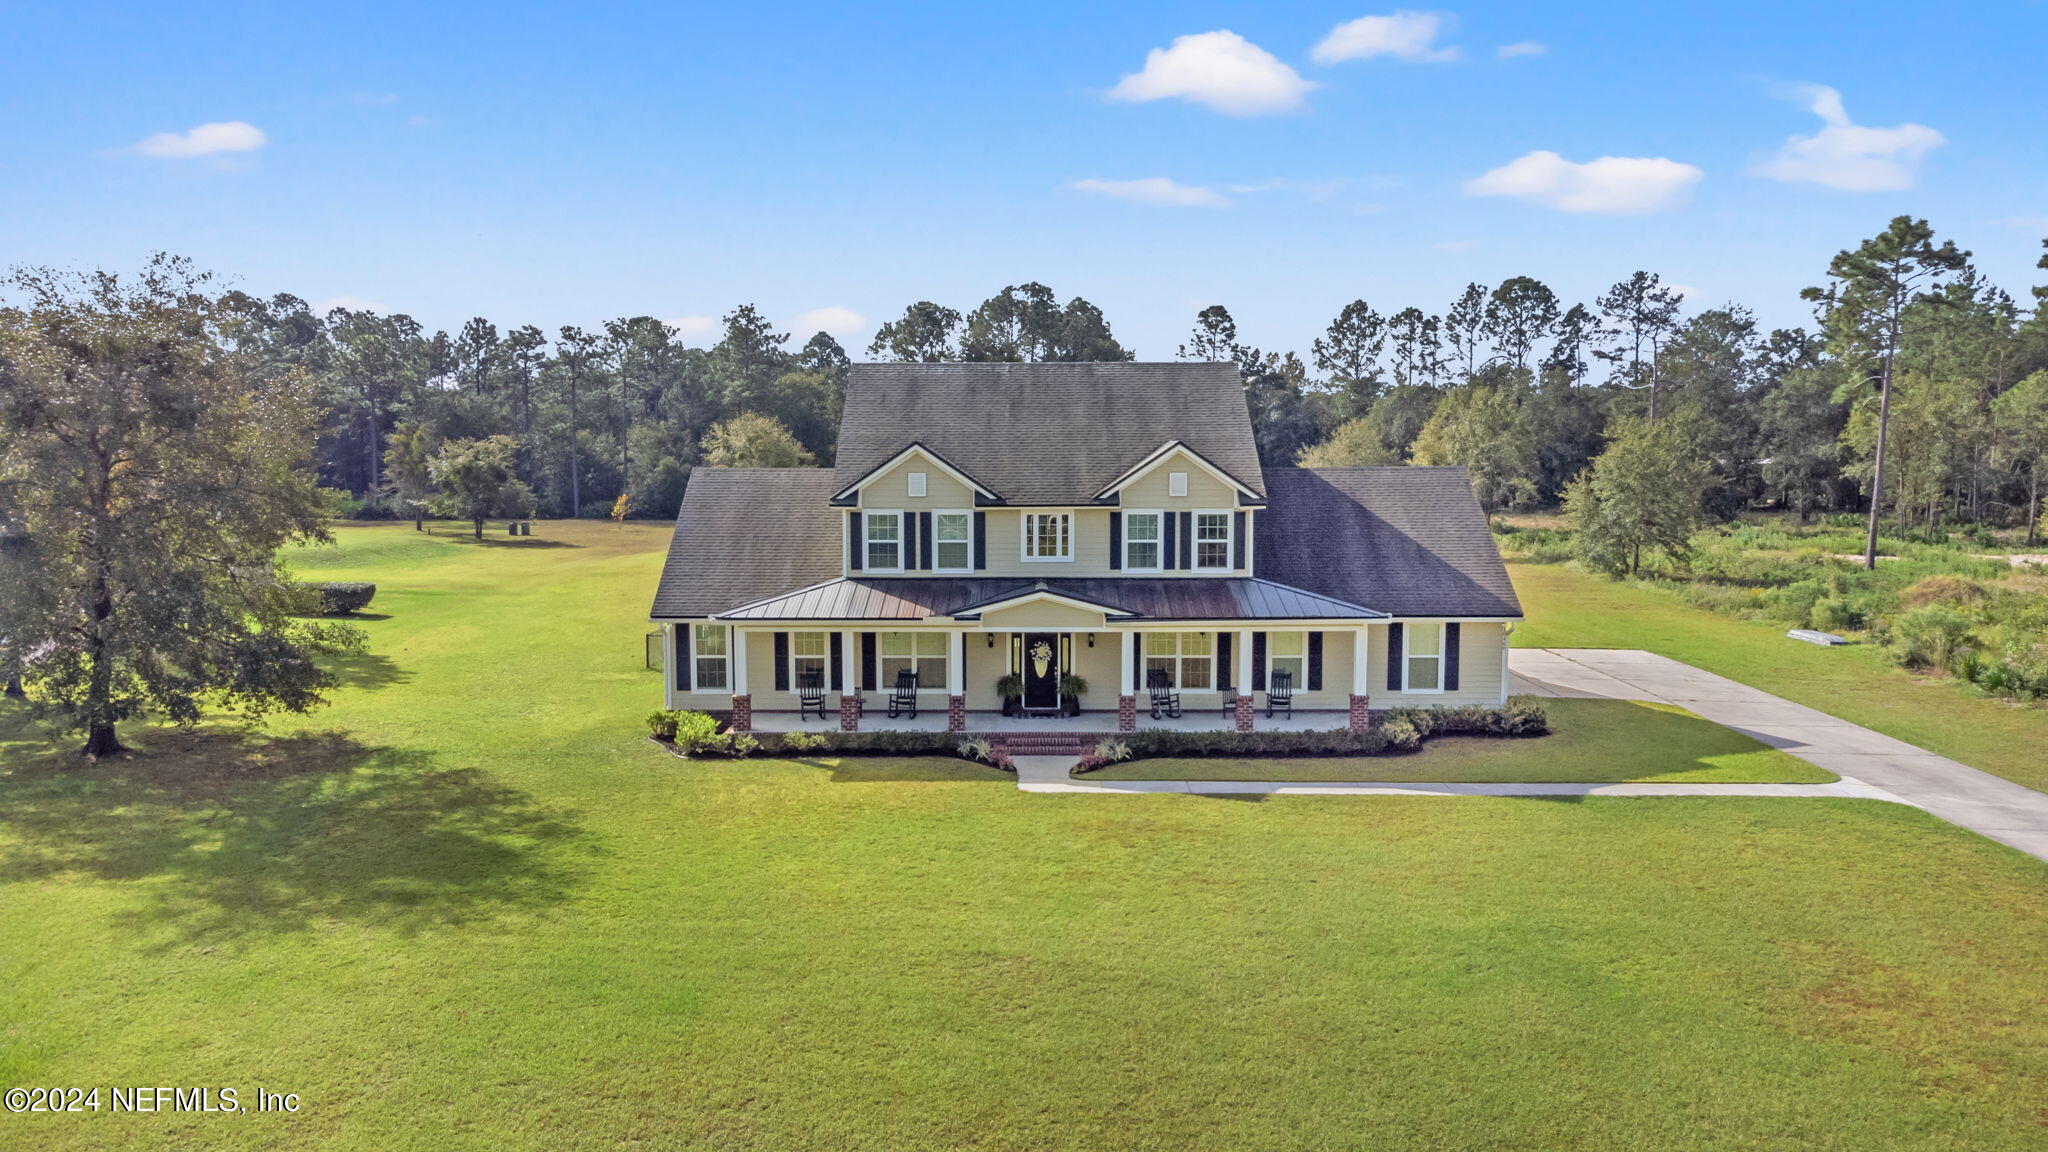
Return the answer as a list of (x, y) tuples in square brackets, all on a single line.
[(564, 164)]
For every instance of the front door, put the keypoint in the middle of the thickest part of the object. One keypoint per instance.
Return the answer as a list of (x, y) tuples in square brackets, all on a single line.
[(1041, 671)]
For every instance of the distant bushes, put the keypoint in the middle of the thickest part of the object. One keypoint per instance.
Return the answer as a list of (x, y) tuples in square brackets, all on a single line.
[(1398, 731), (341, 597)]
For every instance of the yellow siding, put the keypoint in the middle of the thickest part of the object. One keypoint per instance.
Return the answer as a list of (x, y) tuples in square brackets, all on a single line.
[(1204, 490), (1479, 671), (892, 489), (1044, 614)]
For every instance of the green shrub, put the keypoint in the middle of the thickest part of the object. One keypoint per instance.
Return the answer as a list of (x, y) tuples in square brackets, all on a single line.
[(805, 742), (1942, 588), (1836, 613), (341, 597), (661, 724), (1928, 637)]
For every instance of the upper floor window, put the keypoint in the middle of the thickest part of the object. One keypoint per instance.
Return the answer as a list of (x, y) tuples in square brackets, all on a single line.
[(1141, 541), (708, 655), (884, 534), (1423, 660), (1176, 484), (1048, 536), (917, 483), (952, 542), (1212, 540)]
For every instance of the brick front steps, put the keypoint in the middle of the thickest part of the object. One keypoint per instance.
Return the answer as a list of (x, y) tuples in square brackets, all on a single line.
[(1047, 743)]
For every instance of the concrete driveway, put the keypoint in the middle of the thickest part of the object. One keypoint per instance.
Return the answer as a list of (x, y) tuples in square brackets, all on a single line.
[(1996, 807)]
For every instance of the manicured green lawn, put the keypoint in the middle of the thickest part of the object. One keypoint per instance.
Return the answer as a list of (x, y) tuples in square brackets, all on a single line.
[(1567, 608), (471, 907), (1590, 740)]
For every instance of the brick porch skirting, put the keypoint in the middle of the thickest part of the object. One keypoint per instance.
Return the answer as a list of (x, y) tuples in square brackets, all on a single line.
[(956, 713), (1244, 713), (1361, 715), (743, 713), (849, 712), (1127, 713)]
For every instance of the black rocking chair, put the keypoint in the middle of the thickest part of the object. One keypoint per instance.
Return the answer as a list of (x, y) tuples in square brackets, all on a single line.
[(1280, 693), (1164, 699), (810, 694), (903, 698)]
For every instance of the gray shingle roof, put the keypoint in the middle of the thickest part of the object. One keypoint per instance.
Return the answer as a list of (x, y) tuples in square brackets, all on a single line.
[(1407, 541), (1045, 433), (1177, 598), (745, 533)]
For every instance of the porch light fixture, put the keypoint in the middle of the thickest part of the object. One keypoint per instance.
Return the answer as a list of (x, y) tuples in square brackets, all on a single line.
[(1091, 639), (991, 639)]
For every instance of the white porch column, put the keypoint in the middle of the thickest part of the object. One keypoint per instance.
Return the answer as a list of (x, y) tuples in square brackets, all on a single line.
[(669, 671), (1127, 678), (849, 682), (956, 680), (1361, 646), (742, 701), (1243, 710)]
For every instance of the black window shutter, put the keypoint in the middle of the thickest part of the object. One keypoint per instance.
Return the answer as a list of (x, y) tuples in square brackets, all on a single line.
[(1258, 661), (980, 540), (1187, 542), (1237, 534), (1166, 550), (1315, 661), (906, 539), (853, 542), (1450, 657), (1116, 539), (1137, 663), (838, 655), (683, 669), (1223, 662), (1394, 657), (867, 661), (924, 540), (782, 661)]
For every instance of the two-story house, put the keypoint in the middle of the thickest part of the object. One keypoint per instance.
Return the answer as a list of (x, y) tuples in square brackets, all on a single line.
[(1105, 520)]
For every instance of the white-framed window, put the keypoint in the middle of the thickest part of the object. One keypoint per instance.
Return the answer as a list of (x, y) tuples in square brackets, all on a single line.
[(808, 652), (917, 483), (1048, 536), (1176, 483), (1422, 658), (709, 658), (1212, 540), (1187, 658), (952, 541), (1142, 541), (920, 652), (1288, 652), (883, 533)]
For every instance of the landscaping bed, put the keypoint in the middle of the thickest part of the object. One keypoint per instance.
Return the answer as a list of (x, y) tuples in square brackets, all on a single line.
[(1590, 741)]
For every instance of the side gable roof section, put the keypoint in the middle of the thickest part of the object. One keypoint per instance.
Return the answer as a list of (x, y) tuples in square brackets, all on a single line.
[(1247, 495), (915, 448)]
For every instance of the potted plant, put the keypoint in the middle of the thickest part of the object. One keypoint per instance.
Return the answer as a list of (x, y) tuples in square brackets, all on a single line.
[(1072, 688), (1010, 687)]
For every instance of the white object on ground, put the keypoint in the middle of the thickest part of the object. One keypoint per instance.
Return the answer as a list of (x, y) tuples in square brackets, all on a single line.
[(1816, 636)]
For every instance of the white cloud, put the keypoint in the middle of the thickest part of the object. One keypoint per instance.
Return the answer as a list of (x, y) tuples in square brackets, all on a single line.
[(1847, 155), (694, 328), (352, 303), (1220, 70), (833, 318), (1521, 48), (1154, 190), (1409, 36), (1612, 185), (205, 140)]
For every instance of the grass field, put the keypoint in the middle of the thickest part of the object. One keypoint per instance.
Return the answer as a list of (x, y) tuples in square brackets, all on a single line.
[(470, 906), (1590, 740), (1567, 608)]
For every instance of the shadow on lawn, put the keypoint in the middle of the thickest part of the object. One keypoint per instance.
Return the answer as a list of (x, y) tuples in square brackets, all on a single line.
[(907, 769), (367, 670), (228, 833)]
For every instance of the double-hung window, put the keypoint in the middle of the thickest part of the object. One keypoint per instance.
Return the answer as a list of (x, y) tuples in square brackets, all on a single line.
[(1141, 541), (807, 654), (1288, 652), (952, 542), (1212, 540), (1423, 662), (1048, 536), (1187, 658), (884, 534), (921, 652), (708, 658)]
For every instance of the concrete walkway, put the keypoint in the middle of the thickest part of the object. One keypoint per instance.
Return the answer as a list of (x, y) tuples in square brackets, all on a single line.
[(1872, 766)]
